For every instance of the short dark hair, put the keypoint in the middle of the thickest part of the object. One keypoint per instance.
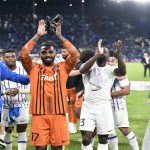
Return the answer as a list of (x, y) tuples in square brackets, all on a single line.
[(111, 53), (86, 55), (48, 44), (8, 51)]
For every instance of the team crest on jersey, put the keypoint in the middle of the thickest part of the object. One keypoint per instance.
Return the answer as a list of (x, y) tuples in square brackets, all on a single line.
[(55, 68)]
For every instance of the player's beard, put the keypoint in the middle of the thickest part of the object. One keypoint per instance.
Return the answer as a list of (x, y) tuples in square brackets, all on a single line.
[(47, 62)]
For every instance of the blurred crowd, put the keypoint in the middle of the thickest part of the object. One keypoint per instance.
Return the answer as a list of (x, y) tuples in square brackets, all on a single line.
[(83, 32)]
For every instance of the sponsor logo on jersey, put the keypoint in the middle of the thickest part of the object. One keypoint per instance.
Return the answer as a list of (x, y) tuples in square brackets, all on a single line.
[(49, 78)]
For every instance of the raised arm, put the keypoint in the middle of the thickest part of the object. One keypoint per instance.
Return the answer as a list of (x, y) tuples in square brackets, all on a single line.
[(25, 51), (73, 53), (74, 73), (125, 90), (87, 66), (121, 70)]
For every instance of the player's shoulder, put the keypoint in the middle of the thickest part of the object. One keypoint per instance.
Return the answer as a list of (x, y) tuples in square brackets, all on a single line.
[(2, 63), (18, 64), (3, 67), (110, 66), (123, 80)]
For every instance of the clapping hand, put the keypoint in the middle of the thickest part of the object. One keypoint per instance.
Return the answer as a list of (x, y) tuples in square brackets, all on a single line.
[(118, 47), (58, 29), (12, 92), (100, 48), (41, 28)]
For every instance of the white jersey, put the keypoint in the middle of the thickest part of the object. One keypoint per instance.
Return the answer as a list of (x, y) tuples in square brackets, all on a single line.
[(20, 99), (119, 102), (98, 82)]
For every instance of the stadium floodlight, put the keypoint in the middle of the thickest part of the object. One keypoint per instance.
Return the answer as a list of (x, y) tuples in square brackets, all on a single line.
[(35, 4), (70, 5), (140, 1)]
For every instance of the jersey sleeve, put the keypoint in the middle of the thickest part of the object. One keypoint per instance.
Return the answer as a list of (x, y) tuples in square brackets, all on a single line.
[(7, 74), (24, 56), (73, 56), (94, 66), (124, 82)]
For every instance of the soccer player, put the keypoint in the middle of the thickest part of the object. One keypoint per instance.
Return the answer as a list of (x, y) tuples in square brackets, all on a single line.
[(15, 105), (146, 63), (6, 73), (96, 108), (48, 90), (119, 90), (85, 55)]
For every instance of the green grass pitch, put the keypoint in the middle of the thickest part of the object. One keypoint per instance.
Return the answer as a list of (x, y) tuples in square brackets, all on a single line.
[(139, 114)]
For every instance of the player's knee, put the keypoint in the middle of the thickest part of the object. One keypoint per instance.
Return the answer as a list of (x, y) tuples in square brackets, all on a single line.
[(86, 140), (103, 139), (9, 130), (21, 128), (125, 131)]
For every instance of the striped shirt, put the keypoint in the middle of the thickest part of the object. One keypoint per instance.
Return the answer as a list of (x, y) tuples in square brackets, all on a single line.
[(20, 99), (119, 102)]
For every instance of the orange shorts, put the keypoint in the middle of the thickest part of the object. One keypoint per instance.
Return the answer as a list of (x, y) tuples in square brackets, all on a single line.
[(78, 103), (49, 129)]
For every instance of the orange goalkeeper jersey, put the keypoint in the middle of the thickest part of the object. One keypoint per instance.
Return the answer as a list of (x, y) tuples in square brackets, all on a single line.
[(48, 89), (48, 83)]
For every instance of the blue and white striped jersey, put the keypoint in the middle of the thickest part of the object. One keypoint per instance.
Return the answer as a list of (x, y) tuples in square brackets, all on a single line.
[(119, 102), (20, 99)]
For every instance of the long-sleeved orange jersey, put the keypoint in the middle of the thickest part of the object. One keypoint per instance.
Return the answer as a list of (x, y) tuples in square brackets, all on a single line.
[(48, 83)]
